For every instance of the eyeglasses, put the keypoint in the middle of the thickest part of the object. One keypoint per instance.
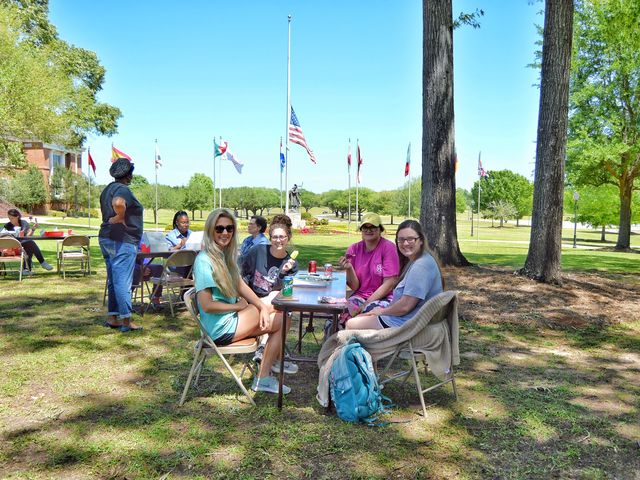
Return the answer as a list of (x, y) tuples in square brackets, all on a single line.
[(279, 237), (408, 240), (222, 228), (369, 228)]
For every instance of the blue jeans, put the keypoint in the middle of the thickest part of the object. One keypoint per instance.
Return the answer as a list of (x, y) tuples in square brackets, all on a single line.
[(120, 258)]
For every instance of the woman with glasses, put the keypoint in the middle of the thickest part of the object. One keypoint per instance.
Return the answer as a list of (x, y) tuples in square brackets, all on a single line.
[(229, 309), (372, 268), (263, 269), (420, 280)]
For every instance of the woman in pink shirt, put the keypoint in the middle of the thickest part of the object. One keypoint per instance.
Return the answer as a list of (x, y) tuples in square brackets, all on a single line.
[(372, 268)]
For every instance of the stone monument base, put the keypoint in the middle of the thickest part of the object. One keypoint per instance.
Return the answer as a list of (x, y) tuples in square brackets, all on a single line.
[(296, 220)]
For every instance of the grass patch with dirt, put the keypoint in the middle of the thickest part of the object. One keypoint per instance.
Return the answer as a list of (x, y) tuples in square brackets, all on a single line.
[(549, 387)]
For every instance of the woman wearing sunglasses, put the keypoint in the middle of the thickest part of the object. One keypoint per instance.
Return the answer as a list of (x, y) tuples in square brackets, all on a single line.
[(229, 310), (420, 280)]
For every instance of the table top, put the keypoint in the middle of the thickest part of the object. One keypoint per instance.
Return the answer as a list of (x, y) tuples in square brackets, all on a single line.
[(163, 254), (306, 298), (42, 237)]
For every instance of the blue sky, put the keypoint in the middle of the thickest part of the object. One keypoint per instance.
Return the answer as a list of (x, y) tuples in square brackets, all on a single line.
[(184, 73)]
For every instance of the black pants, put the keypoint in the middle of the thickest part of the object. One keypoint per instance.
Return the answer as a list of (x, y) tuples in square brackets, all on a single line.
[(31, 248)]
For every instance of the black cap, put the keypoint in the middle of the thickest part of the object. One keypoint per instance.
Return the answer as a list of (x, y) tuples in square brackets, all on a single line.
[(121, 168)]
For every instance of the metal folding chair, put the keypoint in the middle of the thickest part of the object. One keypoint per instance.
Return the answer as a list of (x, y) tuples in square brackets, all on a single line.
[(10, 244), (206, 348)]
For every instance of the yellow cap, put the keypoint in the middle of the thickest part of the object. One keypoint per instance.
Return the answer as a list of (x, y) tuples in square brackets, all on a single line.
[(372, 219)]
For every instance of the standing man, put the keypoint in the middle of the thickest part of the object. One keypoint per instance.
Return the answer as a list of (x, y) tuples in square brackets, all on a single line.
[(257, 226)]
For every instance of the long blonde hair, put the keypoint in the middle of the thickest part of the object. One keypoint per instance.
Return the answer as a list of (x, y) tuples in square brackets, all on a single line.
[(224, 261)]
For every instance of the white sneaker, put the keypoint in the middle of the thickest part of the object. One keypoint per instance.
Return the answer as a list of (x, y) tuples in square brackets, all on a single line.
[(268, 385), (46, 266), (289, 367)]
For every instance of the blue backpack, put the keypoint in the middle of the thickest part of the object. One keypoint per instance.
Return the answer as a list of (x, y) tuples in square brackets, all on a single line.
[(354, 387)]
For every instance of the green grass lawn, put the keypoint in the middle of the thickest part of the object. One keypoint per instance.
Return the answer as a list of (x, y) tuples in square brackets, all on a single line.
[(78, 400)]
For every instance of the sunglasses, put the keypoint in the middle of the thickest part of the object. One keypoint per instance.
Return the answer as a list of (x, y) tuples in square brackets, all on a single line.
[(222, 228)]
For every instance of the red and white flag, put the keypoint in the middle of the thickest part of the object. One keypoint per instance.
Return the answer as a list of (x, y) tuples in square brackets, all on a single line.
[(407, 165)]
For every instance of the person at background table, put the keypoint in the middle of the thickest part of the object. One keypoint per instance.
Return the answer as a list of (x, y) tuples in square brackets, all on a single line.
[(229, 310), (177, 238), (257, 226), (420, 280), (372, 268), (16, 223), (119, 237), (264, 267)]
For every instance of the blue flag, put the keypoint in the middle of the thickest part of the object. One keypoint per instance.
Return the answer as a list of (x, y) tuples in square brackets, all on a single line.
[(282, 160)]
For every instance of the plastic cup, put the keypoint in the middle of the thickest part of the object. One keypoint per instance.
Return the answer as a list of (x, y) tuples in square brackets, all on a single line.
[(70, 232)]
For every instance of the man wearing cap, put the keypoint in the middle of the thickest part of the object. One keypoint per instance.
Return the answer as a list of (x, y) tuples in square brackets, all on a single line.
[(372, 267), (120, 234)]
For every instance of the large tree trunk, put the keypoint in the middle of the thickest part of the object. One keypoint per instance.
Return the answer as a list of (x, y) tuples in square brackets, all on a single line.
[(545, 247), (438, 215), (624, 232)]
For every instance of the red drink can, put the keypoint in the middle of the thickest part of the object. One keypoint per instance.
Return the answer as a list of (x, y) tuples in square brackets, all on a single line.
[(328, 270), (313, 266)]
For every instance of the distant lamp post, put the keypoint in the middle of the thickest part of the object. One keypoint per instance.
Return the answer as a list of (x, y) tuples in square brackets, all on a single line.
[(75, 198), (576, 197)]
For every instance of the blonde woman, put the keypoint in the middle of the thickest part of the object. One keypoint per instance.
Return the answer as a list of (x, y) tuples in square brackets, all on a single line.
[(230, 311)]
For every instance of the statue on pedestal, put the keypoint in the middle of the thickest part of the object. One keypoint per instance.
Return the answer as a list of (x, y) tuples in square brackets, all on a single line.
[(294, 198)]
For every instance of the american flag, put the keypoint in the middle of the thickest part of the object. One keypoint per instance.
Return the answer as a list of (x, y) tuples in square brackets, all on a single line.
[(481, 171), (296, 135)]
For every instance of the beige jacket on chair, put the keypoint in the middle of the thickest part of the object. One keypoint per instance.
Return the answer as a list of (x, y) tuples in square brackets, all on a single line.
[(427, 332)]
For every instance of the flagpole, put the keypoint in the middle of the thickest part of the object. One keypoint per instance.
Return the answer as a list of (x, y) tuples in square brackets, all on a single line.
[(220, 177), (155, 162), (286, 163), (280, 165), (349, 175), (357, 178), (89, 175), (479, 187), (214, 172)]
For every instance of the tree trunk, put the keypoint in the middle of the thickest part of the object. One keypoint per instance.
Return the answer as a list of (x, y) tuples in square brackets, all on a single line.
[(438, 205), (624, 231), (545, 247), (392, 219), (602, 234)]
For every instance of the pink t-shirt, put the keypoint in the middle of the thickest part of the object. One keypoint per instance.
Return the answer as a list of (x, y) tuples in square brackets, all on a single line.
[(373, 267)]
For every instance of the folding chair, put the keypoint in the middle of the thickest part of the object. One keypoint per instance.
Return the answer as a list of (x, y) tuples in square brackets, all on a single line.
[(206, 348), (13, 245), (74, 248), (418, 348), (173, 283)]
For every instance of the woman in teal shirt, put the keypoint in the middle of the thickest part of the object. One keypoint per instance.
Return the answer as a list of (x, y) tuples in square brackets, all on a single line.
[(229, 310)]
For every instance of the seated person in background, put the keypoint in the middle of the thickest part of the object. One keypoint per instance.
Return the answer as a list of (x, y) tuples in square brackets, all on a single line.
[(263, 269), (229, 309), (177, 238), (257, 226), (17, 224), (420, 280), (372, 268)]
